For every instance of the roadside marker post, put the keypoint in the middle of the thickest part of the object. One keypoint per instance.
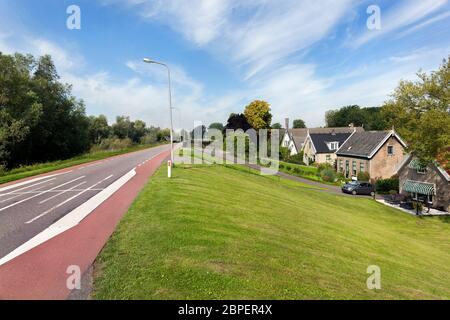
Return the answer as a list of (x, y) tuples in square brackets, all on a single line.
[(169, 169)]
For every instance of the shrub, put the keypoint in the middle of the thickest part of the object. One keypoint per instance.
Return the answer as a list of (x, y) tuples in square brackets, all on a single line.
[(288, 168), (297, 159), (112, 144), (328, 175), (387, 185), (363, 176)]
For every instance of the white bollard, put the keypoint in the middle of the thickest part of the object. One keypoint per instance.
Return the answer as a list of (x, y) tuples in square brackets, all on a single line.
[(169, 169)]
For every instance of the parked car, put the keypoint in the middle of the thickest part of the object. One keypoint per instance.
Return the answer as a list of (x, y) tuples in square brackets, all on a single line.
[(358, 187)]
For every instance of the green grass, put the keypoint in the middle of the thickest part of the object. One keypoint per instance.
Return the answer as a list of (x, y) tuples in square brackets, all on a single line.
[(217, 232), (40, 168)]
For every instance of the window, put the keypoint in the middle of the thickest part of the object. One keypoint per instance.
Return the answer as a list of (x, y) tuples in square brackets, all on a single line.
[(390, 150), (354, 168), (361, 167), (341, 165), (347, 168), (422, 170), (328, 158), (334, 145)]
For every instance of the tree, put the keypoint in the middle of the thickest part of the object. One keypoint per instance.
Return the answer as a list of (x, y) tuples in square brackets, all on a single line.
[(258, 114), (217, 126), (277, 126), (237, 121), (138, 130), (419, 111), (98, 128), (370, 118), (123, 127), (299, 124), (40, 119)]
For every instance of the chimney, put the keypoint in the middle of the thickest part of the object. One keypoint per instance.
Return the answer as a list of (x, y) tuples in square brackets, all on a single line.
[(286, 123)]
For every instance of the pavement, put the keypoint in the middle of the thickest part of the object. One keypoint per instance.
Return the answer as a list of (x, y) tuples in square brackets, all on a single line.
[(52, 224)]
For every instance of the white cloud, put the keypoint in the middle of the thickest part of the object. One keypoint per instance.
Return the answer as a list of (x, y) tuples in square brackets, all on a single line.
[(404, 14), (253, 34)]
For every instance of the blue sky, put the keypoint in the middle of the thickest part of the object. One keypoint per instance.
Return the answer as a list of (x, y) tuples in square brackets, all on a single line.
[(303, 57)]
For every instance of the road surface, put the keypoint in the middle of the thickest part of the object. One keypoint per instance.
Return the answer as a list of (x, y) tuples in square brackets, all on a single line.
[(28, 208)]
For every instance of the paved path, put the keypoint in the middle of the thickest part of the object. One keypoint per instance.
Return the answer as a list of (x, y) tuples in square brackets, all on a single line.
[(55, 221)]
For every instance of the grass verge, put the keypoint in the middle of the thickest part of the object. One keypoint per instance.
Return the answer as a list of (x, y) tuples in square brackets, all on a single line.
[(40, 168), (217, 232)]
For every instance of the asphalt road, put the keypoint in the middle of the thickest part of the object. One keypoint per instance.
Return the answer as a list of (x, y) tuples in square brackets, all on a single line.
[(28, 209)]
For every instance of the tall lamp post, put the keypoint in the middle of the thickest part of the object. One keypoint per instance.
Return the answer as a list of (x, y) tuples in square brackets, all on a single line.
[(147, 60)]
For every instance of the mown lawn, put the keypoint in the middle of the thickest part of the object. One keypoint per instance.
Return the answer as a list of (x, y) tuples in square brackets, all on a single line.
[(215, 232)]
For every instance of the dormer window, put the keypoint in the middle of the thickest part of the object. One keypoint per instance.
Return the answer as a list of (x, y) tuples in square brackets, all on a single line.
[(334, 145)]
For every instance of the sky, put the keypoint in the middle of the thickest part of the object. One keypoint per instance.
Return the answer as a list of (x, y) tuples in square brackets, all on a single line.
[(304, 57)]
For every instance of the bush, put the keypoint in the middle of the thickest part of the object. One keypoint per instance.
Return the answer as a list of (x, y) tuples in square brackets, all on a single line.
[(296, 159), (387, 185), (112, 144), (363, 176), (328, 175), (288, 168)]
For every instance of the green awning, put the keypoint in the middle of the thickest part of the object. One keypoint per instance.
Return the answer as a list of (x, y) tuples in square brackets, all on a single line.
[(416, 165), (418, 187)]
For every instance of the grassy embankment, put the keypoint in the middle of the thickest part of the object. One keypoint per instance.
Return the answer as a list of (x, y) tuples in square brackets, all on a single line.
[(217, 232), (40, 168)]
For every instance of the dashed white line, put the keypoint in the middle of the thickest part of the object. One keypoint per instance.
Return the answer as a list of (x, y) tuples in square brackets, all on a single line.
[(39, 194), (33, 185), (62, 192), (68, 200)]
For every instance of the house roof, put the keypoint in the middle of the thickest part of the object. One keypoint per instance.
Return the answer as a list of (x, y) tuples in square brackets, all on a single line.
[(299, 135), (365, 144), (321, 140), (410, 158)]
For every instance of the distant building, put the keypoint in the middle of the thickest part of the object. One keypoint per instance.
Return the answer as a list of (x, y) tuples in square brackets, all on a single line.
[(376, 152), (321, 145), (294, 139)]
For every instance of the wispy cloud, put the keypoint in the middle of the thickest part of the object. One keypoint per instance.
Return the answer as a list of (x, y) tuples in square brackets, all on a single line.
[(251, 34), (403, 14)]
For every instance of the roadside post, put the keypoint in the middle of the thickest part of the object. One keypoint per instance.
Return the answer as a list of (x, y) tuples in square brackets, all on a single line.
[(169, 169)]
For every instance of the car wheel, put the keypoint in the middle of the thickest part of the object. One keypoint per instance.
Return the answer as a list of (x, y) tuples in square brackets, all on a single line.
[(354, 192)]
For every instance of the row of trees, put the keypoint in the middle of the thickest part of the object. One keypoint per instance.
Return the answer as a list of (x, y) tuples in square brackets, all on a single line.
[(40, 119)]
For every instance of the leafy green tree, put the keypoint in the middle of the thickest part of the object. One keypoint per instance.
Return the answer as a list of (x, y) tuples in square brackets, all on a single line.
[(277, 126), (216, 125), (40, 119), (138, 130), (299, 124), (123, 127), (420, 112), (237, 121), (370, 118), (258, 114), (98, 128)]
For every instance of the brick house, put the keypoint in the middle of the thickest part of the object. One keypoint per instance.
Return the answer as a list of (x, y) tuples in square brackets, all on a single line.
[(321, 147), (430, 184), (378, 153)]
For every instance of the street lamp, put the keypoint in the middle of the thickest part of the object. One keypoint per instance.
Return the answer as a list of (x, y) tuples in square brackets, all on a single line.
[(147, 60)]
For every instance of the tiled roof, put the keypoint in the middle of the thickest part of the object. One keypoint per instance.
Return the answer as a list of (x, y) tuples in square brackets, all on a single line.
[(362, 144), (321, 140), (299, 135)]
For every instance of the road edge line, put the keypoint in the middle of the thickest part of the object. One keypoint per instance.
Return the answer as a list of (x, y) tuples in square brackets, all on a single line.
[(71, 219)]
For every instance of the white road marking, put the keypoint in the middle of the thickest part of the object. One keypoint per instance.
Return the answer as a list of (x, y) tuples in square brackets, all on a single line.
[(71, 219), (62, 192), (19, 184), (37, 195), (20, 194), (67, 200), (33, 185)]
